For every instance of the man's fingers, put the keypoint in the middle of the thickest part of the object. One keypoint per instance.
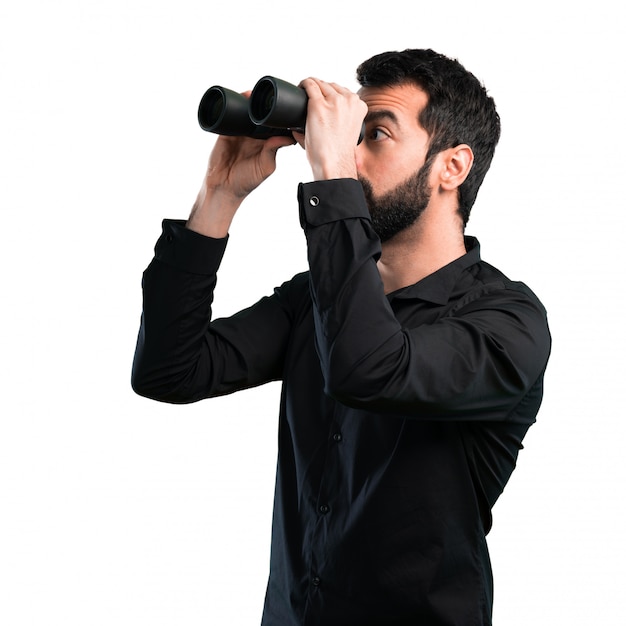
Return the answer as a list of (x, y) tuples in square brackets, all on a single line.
[(315, 87)]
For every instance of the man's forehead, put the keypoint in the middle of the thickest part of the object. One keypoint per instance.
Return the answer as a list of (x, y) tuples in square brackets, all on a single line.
[(399, 99), (399, 105)]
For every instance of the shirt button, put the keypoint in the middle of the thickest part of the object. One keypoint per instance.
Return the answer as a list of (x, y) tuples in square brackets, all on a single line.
[(316, 581), (314, 200), (337, 437), (324, 509)]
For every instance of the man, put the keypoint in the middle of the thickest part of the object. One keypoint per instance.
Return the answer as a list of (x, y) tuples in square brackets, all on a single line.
[(411, 369)]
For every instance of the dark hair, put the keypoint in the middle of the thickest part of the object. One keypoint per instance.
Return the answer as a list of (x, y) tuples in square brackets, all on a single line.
[(458, 110)]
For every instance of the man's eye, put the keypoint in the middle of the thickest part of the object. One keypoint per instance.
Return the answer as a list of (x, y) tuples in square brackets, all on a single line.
[(376, 134)]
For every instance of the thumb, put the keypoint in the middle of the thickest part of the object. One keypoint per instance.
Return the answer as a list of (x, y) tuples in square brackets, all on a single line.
[(299, 138)]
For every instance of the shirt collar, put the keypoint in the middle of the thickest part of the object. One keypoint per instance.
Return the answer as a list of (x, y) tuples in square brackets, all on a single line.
[(438, 286)]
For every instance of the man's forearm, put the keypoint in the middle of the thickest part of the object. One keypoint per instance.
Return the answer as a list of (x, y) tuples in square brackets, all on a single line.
[(177, 296), (213, 212)]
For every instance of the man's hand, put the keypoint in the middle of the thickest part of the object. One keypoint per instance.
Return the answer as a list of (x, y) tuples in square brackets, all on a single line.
[(237, 166), (334, 119)]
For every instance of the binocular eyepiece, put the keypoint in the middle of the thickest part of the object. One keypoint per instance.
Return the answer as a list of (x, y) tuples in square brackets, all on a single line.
[(275, 107)]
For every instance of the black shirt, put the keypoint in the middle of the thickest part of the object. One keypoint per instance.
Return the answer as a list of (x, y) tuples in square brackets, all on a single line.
[(401, 415)]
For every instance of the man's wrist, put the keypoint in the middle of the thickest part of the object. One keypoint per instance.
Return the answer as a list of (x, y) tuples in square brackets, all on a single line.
[(213, 213), (334, 172)]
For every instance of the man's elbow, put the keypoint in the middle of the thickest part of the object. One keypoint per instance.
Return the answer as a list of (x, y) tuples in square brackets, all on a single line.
[(140, 385), (148, 383), (144, 386)]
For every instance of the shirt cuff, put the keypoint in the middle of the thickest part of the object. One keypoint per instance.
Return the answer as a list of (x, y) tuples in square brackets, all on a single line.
[(325, 201), (187, 250)]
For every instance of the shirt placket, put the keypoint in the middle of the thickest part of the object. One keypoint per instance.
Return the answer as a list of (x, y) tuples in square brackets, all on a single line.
[(327, 499)]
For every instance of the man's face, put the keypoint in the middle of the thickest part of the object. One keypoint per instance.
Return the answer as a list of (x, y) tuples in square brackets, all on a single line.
[(390, 160)]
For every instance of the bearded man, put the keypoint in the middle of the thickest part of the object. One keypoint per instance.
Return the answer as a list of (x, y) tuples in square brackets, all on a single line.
[(411, 369)]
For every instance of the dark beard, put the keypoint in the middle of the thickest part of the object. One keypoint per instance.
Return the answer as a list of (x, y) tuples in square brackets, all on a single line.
[(399, 208)]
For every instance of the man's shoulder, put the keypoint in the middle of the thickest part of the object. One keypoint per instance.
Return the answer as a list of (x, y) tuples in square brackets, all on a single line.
[(491, 282)]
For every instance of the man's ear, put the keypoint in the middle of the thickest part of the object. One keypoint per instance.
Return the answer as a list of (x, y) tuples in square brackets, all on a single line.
[(456, 165)]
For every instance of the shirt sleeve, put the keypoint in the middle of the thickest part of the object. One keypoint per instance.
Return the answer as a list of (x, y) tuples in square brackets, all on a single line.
[(478, 362), (181, 354)]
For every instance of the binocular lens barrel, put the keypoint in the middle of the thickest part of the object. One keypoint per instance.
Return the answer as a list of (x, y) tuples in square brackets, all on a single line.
[(225, 112), (275, 107), (211, 108), (262, 100), (278, 104)]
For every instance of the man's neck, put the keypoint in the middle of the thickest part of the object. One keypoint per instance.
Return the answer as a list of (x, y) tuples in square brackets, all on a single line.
[(419, 251)]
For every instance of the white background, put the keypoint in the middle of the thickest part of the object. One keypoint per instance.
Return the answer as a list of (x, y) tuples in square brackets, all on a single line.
[(116, 510)]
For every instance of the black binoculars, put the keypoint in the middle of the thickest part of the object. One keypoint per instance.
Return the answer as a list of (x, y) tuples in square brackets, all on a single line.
[(275, 107)]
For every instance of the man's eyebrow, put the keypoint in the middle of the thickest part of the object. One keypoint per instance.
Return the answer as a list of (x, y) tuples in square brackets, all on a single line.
[(380, 114)]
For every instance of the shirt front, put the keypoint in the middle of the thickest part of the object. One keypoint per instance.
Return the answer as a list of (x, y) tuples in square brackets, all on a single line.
[(401, 415)]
